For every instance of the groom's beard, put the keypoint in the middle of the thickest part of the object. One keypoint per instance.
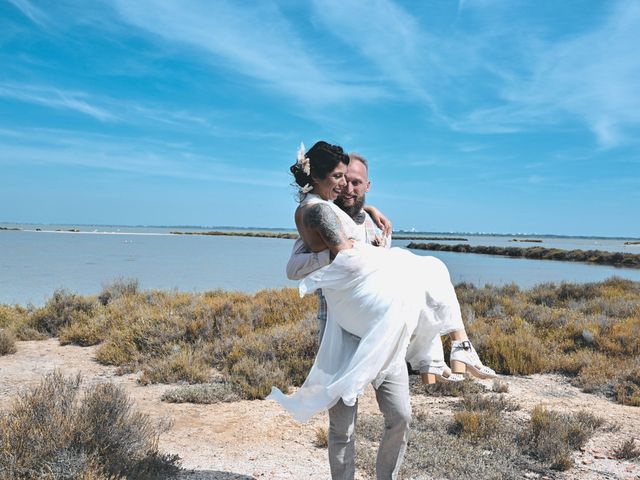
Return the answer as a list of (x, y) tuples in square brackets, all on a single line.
[(352, 210)]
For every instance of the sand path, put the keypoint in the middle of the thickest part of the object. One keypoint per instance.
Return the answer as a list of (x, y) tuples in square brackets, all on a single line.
[(256, 439)]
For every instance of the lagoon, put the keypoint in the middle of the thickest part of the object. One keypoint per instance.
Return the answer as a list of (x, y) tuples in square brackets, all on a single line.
[(34, 263)]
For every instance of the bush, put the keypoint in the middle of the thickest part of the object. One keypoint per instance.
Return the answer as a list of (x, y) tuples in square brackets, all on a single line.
[(628, 392), (480, 416), (84, 331), (447, 389), (118, 288), (551, 436), (519, 353), (627, 451), (435, 452), (589, 331), (255, 378), (499, 386), (62, 309), (184, 364), (7, 342), (322, 437), (50, 433), (205, 393), (475, 425)]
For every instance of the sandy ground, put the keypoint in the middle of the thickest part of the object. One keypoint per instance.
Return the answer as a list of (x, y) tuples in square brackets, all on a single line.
[(257, 440)]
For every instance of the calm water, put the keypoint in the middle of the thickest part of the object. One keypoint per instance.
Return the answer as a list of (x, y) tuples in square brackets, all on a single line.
[(34, 263)]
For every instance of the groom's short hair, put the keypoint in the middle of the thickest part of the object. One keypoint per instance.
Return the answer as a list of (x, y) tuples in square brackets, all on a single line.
[(359, 158)]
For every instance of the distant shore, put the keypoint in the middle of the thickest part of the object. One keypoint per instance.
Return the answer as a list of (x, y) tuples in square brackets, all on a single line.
[(599, 257), (242, 234), (295, 235)]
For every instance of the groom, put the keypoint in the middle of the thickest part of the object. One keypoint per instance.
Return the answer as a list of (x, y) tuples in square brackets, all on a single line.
[(393, 394)]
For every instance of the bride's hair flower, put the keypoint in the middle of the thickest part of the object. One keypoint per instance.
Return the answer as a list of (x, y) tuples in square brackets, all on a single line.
[(307, 188), (303, 161)]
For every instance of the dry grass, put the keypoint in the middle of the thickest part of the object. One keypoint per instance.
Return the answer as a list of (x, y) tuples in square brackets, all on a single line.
[(552, 436), (50, 432), (588, 331), (205, 393), (480, 416), (322, 437), (448, 389), (484, 440), (627, 451), (499, 386), (7, 342)]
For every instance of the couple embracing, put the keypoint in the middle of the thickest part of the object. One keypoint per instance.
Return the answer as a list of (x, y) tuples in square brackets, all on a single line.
[(380, 307)]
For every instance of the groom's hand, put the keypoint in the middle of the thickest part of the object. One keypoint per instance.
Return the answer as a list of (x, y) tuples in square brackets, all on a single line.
[(380, 220)]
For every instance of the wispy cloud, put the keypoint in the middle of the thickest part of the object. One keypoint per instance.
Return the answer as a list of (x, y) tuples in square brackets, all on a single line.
[(107, 109), (33, 13), (387, 36), (591, 78), (257, 41), (55, 98), (128, 155)]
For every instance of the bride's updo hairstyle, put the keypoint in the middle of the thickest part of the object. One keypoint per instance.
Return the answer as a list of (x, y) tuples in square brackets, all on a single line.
[(322, 158)]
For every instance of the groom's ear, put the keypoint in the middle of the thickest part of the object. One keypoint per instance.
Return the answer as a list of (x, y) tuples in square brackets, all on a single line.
[(368, 187)]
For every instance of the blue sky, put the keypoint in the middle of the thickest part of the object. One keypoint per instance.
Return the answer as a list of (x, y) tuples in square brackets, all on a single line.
[(476, 115)]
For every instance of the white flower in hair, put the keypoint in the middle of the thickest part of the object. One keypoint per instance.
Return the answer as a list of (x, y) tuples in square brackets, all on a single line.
[(307, 188), (303, 161)]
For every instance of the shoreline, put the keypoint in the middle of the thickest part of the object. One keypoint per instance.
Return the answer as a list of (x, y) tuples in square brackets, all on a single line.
[(594, 257), (399, 234)]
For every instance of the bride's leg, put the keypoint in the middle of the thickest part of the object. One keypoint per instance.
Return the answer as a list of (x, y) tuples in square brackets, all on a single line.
[(434, 369), (440, 296)]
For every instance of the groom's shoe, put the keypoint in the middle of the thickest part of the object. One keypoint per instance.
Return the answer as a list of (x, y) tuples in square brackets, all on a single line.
[(464, 358), (441, 374)]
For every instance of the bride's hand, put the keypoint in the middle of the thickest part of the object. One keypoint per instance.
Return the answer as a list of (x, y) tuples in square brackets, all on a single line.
[(349, 243)]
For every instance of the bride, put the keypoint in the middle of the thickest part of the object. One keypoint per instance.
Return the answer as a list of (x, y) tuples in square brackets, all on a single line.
[(394, 301)]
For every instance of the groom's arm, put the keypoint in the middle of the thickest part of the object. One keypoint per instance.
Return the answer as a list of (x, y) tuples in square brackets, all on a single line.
[(382, 222), (302, 262)]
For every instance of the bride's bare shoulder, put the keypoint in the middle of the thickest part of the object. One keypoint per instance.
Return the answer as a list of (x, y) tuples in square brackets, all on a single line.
[(315, 213), (320, 219)]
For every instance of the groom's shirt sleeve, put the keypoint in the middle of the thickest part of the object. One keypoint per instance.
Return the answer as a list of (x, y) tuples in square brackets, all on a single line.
[(302, 262), (371, 231)]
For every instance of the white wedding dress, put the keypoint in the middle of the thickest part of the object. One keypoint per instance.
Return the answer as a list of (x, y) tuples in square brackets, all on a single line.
[(393, 300)]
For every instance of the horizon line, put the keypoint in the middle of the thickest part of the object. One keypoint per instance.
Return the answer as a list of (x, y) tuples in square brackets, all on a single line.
[(399, 231)]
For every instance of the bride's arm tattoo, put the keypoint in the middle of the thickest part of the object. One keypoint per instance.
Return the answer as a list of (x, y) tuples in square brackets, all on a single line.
[(325, 221)]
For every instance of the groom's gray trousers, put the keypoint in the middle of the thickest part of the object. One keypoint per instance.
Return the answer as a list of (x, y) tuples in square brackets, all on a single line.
[(393, 399)]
